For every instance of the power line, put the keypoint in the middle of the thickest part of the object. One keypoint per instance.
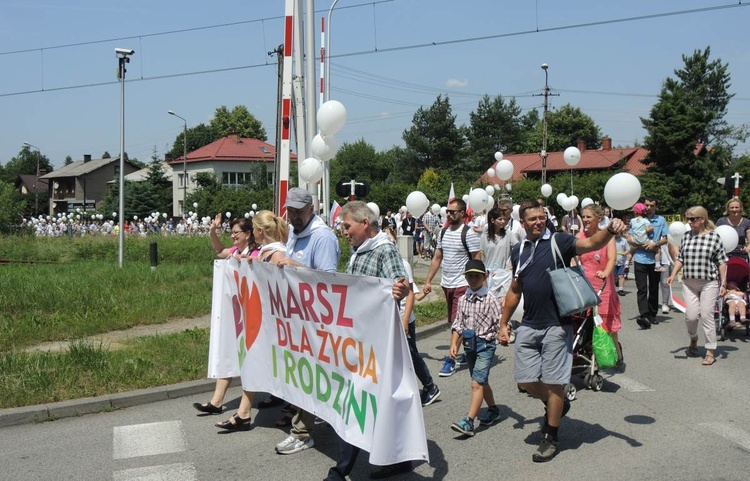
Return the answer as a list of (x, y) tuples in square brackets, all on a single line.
[(369, 52)]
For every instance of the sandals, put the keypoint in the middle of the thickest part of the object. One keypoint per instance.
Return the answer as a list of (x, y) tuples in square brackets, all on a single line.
[(270, 402), (207, 408), (708, 360), (235, 423)]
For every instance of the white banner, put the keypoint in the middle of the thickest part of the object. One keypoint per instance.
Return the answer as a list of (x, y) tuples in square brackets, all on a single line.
[(222, 345), (331, 344)]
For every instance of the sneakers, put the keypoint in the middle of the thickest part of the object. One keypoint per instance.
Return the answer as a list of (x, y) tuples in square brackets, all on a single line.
[(489, 417), (664, 309), (546, 451), (448, 368), (621, 292), (461, 360), (429, 396), (464, 426), (293, 445), (643, 322)]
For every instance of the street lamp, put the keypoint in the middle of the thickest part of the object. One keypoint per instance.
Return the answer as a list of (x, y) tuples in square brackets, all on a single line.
[(544, 125), (123, 57), (36, 180), (184, 163)]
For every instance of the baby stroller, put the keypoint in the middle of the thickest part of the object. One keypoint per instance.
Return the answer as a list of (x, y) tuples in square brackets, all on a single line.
[(738, 273), (584, 361)]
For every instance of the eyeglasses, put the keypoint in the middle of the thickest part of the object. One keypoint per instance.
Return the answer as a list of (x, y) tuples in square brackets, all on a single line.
[(452, 211), (693, 219), (236, 232)]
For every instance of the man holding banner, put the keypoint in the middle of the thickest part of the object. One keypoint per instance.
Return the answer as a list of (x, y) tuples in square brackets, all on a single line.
[(311, 244), (374, 255)]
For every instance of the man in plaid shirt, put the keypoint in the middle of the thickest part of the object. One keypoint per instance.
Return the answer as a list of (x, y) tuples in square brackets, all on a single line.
[(373, 255)]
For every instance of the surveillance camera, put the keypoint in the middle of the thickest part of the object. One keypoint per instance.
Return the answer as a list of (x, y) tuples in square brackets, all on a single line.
[(124, 51)]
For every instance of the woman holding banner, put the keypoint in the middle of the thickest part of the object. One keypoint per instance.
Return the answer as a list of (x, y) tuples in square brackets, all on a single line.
[(270, 233), (243, 243)]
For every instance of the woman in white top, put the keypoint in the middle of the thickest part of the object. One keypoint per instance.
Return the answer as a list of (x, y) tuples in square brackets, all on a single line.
[(271, 233)]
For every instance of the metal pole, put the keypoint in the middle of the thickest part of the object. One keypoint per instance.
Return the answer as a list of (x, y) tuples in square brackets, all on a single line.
[(544, 125), (121, 212), (326, 65), (123, 57), (184, 162)]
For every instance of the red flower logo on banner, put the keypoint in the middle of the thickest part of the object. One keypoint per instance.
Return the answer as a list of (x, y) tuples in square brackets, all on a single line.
[(248, 312)]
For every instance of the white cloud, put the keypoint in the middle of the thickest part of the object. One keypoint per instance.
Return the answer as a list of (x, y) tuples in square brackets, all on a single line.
[(453, 82)]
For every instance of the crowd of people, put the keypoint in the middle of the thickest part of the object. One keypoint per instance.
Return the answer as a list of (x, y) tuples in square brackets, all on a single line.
[(491, 265)]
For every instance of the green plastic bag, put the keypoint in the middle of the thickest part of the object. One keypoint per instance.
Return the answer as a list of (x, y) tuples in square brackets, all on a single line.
[(604, 347)]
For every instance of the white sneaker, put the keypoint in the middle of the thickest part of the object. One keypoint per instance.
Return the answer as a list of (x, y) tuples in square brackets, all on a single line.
[(664, 309), (293, 445)]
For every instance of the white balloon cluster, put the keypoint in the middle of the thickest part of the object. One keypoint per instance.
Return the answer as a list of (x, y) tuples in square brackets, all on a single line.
[(567, 203), (331, 118)]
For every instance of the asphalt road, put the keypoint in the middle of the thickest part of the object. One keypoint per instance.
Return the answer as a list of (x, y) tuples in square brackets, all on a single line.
[(666, 417)]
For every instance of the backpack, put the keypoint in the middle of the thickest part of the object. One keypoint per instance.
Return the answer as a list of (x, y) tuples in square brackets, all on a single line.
[(463, 238)]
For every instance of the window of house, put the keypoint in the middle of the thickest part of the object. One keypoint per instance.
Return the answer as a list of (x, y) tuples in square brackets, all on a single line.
[(236, 178)]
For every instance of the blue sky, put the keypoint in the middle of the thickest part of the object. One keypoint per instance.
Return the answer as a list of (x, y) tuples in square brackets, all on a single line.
[(62, 55)]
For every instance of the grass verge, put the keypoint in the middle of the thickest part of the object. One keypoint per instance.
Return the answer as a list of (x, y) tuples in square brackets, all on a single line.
[(90, 369)]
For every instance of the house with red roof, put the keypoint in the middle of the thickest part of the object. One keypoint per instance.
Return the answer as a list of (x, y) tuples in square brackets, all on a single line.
[(232, 159), (626, 159)]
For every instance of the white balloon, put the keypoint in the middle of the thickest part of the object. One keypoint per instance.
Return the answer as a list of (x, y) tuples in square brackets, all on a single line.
[(478, 200), (622, 191), (247, 215), (504, 169), (331, 117), (562, 200), (546, 190), (508, 187), (254, 206), (573, 202), (311, 170), (498, 156), (164, 215), (114, 214), (572, 156), (516, 212), (465, 198), (490, 172), (568, 204), (586, 201), (195, 204), (435, 209), (374, 207), (403, 209), (417, 203), (490, 190), (490, 203), (677, 229), (252, 213), (324, 148), (728, 236), (443, 211), (229, 215), (496, 186), (135, 217), (674, 240)]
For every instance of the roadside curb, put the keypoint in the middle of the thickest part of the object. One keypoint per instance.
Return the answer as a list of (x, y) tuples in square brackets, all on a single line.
[(78, 407)]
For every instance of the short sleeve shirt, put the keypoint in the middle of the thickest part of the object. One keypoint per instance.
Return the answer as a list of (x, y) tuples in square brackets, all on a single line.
[(455, 256), (540, 309), (642, 256), (701, 255)]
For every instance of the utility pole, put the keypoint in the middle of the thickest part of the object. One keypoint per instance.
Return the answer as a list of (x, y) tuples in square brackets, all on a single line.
[(543, 153)]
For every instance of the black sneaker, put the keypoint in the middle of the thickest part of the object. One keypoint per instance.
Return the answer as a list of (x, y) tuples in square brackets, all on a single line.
[(654, 321), (430, 395), (546, 451), (643, 322)]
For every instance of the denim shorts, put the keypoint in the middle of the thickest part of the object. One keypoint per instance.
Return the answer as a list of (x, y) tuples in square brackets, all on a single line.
[(620, 270), (480, 360)]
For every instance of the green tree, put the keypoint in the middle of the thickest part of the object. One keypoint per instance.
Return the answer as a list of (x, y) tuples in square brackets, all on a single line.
[(11, 207), (198, 136), (238, 121), (357, 161), (68, 160), (565, 127), (25, 163), (690, 113), (106, 155), (434, 138)]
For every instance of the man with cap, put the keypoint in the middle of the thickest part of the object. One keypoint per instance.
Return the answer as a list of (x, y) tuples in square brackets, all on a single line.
[(311, 244)]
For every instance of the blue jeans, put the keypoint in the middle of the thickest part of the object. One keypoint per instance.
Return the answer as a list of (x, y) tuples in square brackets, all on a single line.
[(480, 360), (420, 367)]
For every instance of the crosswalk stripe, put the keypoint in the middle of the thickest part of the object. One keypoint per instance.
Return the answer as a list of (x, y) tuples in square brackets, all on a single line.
[(730, 432), (148, 439), (167, 472)]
